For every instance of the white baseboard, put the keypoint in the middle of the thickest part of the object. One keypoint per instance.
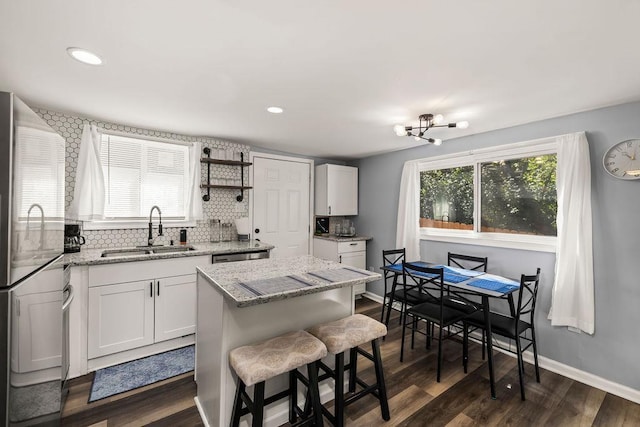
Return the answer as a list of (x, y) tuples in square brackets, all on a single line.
[(201, 412), (559, 368)]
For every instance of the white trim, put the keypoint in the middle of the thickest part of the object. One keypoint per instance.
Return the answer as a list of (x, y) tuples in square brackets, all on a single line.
[(570, 372), (203, 417), (529, 243), (119, 225), (143, 136), (534, 147), (311, 163), (531, 148)]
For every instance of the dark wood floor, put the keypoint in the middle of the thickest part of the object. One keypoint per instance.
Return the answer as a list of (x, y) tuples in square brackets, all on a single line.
[(415, 398)]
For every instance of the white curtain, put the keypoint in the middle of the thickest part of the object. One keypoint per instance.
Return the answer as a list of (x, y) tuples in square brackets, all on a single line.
[(572, 298), (194, 206), (88, 193), (408, 228)]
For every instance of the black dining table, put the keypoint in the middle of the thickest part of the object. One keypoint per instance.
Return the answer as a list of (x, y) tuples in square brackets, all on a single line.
[(484, 285)]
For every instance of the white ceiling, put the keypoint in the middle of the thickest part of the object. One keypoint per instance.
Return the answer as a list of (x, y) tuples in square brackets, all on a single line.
[(345, 71)]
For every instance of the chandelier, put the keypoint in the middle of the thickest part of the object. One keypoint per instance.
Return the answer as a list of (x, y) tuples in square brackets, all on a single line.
[(427, 121)]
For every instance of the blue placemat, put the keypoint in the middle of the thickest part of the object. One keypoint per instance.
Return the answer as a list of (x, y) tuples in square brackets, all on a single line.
[(494, 283), (451, 274)]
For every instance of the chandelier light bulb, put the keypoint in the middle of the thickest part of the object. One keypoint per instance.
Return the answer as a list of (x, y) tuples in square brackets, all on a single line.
[(438, 119), (417, 138), (399, 130), (462, 125), (437, 141)]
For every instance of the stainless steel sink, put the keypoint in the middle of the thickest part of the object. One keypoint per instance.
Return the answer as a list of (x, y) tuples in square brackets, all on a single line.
[(169, 249), (125, 252), (145, 250)]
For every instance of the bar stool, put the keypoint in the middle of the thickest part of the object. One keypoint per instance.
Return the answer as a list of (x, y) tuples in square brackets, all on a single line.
[(255, 364), (348, 334)]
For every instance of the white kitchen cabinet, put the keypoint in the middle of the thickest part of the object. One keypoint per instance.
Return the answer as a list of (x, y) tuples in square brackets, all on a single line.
[(134, 314), (38, 325), (336, 190), (138, 308), (175, 307), (353, 253), (121, 317)]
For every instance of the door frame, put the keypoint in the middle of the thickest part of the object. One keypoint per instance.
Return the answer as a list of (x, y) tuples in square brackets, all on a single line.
[(311, 163)]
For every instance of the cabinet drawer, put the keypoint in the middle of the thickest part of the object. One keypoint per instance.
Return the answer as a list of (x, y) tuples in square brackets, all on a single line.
[(346, 247)]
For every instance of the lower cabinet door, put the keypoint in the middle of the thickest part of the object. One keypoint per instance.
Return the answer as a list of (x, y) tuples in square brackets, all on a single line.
[(120, 317), (358, 260), (38, 324), (175, 307)]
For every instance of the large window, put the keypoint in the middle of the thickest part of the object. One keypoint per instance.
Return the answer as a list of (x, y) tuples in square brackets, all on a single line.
[(141, 173), (503, 193)]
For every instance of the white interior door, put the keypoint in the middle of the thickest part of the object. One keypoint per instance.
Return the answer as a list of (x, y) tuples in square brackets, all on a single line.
[(281, 205)]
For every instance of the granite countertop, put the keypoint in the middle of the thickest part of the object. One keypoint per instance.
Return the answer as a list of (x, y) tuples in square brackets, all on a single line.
[(335, 238), (248, 283), (94, 256)]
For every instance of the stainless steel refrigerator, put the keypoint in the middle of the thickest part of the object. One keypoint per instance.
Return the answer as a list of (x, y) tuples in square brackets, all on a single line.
[(33, 350)]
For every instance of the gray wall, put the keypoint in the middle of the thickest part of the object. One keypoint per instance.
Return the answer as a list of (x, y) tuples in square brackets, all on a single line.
[(612, 352)]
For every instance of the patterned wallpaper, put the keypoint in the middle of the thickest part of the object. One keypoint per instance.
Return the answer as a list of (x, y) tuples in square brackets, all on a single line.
[(223, 204)]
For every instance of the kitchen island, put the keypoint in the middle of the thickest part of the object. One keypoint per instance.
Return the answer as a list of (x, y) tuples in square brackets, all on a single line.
[(246, 302)]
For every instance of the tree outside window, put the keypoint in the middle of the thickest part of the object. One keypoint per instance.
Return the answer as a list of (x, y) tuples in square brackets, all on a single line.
[(517, 196)]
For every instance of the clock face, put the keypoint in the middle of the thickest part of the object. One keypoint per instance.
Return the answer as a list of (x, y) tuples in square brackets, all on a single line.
[(623, 160)]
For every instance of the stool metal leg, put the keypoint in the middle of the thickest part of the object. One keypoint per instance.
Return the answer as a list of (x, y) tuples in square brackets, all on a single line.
[(314, 393), (382, 388), (293, 397), (353, 368), (237, 404), (339, 395), (258, 404)]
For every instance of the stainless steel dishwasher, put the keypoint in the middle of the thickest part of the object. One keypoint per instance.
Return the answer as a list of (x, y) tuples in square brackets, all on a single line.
[(239, 256)]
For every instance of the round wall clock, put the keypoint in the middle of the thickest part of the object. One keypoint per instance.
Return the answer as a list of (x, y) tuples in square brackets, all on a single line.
[(622, 160)]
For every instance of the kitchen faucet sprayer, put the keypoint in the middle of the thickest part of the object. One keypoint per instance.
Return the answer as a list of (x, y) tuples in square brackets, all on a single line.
[(151, 238)]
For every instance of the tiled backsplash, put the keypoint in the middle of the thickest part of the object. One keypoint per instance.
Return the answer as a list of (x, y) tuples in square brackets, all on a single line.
[(221, 206)]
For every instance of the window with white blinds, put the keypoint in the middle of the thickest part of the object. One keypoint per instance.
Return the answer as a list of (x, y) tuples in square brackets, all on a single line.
[(38, 173), (140, 173)]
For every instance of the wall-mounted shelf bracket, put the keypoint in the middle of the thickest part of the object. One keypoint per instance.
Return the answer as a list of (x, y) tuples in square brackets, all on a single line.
[(209, 161)]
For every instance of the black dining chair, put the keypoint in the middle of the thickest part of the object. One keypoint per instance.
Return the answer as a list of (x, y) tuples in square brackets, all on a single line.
[(391, 257), (440, 308), (517, 327), (468, 262)]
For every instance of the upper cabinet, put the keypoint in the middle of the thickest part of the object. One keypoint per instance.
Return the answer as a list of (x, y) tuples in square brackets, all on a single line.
[(336, 190)]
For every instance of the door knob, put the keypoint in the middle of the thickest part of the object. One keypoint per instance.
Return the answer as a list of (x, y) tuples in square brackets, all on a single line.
[(257, 230)]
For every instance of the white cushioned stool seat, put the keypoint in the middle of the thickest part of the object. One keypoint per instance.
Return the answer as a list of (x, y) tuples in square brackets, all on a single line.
[(352, 331), (259, 362), (345, 334)]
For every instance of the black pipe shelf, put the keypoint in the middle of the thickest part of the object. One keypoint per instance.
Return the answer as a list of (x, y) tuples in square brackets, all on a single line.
[(209, 161)]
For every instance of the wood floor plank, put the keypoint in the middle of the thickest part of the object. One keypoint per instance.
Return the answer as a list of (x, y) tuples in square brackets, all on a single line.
[(415, 398), (616, 411)]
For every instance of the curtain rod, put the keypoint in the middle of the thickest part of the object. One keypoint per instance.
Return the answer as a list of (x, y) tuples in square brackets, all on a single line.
[(146, 137)]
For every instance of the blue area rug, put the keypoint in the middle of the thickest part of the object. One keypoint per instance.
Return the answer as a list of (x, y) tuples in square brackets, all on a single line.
[(138, 373)]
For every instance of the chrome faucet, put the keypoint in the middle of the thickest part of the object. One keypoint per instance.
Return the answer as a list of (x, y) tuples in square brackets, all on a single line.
[(151, 238), (26, 235)]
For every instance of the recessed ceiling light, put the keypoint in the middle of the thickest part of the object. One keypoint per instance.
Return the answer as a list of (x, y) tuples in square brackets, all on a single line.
[(84, 56), (275, 110)]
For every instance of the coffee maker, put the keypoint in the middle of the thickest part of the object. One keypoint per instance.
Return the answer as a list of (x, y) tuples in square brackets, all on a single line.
[(72, 238)]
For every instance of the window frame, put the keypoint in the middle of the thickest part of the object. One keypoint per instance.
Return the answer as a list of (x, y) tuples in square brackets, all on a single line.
[(475, 158), (115, 224)]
